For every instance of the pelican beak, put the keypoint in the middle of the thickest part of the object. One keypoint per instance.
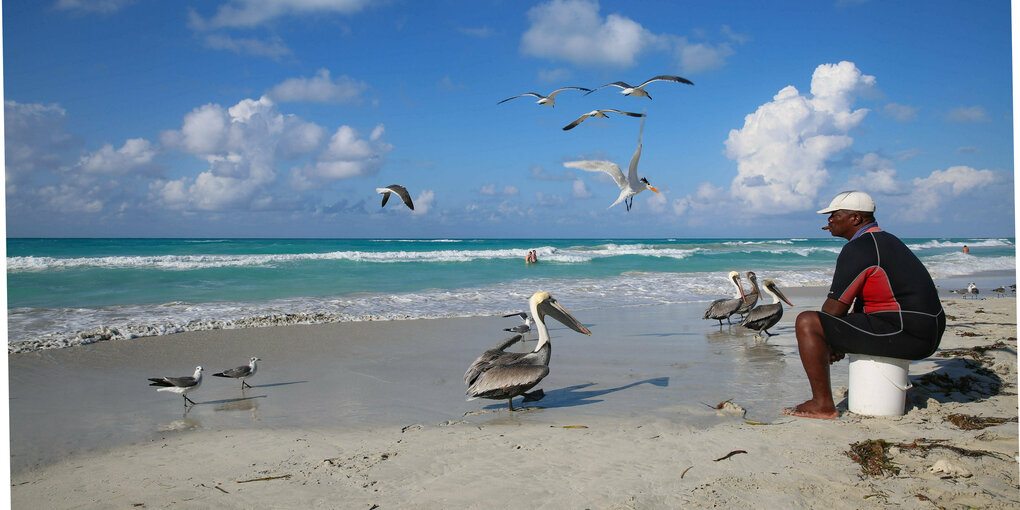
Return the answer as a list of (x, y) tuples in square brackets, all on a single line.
[(653, 189), (781, 296), (553, 309), (736, 280)]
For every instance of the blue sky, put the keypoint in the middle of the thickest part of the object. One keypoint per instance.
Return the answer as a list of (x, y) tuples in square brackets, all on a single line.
[(273, 118)]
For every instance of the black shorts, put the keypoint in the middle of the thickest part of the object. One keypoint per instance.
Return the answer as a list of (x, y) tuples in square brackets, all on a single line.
[(894, 334)]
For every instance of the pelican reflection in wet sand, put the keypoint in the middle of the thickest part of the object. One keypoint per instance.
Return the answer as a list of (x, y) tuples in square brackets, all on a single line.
[(498, 374), (764, 317), (722, 308)]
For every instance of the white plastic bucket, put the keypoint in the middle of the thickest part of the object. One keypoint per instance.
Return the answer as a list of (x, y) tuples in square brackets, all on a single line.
[(878, 385)]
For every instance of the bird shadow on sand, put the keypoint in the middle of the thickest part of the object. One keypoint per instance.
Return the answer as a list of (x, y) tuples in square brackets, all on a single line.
[(232, 401), (277, 384), (573, 396)]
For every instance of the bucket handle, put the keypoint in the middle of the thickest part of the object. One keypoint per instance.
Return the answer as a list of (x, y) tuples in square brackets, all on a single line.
[(896, 384)]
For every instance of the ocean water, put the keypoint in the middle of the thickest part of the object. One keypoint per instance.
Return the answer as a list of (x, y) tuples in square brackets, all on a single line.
[(65, 292)]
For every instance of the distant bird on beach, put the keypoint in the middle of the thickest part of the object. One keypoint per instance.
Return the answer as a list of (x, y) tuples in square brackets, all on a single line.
[(399, 190), (722, 308), (1000, 290), (639, 91), (599, 114), (242, 372), (524, 328), (179, 385), (631, 184), (972, 290), (549, 100), (498, 374), (764, 317), (750, 298)]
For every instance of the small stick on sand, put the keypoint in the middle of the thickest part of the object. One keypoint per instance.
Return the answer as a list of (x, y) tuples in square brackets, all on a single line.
[(728, 455), (264, 479)]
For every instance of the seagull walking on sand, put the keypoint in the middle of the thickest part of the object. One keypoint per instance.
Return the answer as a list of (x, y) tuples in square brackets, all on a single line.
[(631, 184), (242, 372), (639, 91), (524, 328), (179, 385), (549, 100), (599, 114), (399, 190)]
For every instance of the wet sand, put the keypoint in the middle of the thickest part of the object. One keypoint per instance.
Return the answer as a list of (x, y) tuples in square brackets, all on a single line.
[(374, 414)]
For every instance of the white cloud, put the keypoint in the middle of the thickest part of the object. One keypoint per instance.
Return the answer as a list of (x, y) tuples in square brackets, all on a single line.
[(347, 155), (273, 48), (547, 199), (554, 75), (424, 202), (482, 32), (34, 138), (490, 190), (699, 57), (573, 30), (580, 190), (782, 149), (877, 174), (136, 155), (901, 112), (930, 193), (319, 89), (101, 6), (252, 13), (968, 114)]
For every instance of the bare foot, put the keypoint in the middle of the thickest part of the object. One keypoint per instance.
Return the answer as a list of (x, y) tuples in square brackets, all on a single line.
[(811, 410)]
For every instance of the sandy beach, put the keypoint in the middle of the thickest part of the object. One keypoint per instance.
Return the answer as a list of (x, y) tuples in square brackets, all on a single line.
[(372, 415)]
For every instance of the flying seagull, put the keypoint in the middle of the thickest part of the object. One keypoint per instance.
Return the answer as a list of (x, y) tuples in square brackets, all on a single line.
[(498, 374), (242, 372), (599, 114), (639, 91), (399, 190), (179, 385), (549, 100), (630, 185)]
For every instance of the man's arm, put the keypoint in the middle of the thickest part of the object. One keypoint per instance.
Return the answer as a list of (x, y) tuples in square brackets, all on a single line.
[(835, 307)]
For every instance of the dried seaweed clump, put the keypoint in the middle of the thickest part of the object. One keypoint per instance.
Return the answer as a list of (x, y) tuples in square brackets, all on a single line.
[(873, 458), (968, 422)]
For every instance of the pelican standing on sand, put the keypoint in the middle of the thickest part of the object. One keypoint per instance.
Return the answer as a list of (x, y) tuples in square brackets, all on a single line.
[(599, 114), (399, 190), (639, 91), (764, 317), (179, 385), (549, 100), (750, 298), (242, 372), (524, 328), (722, 308), (630, 185), (498, 375)]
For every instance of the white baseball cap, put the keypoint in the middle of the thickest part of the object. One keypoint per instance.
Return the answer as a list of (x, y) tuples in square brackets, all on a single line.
[(850, 201)]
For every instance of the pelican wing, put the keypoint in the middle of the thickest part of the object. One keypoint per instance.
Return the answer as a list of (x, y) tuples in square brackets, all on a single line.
[(493, 357), (607, 167), (722, 308), (540, 96), (507, 379), (667, 77), (632, 176), (767, 315)]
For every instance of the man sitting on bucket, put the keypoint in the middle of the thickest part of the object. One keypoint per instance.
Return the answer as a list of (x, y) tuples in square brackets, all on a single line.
[(896, 308)]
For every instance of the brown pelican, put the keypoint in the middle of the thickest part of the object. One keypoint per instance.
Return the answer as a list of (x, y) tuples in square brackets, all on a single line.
[(764, 317), (722, 308), (524, 328), (630, 185), (549, 100), (179, 385), (750, 298), (242, 372), (498, 375), (599, 114), (639, 91), (399, 190)]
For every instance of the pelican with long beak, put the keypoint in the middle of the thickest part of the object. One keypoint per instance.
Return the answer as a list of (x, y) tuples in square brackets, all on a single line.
[(722, 308), (750, 298), (764, 317), (498, 374), (630, 184)]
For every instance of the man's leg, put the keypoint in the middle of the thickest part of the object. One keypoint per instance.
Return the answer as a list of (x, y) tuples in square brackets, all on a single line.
[(816, 356)]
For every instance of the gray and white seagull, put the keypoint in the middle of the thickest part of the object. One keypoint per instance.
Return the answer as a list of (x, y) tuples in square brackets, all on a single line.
[(399, 190), (242, 372), (639, 91), (549, 100), (599, 114), (629, 184), (179, 385)]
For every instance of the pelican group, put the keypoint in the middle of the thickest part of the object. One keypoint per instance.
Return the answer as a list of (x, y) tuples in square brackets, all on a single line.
[(242, 372), (549, 100), (723, 308), (764, 317), (498, 374), (639, 91), (630, 184), (179, 385)]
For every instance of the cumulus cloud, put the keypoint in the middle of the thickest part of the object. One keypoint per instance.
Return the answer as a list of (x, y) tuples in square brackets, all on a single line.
[(136, 155), (698, 57), (490, 190), (423, 202), (580, 189), (575, 31), (900, 112), (35, 136), (782, 149), (930, 193), (876, 174), (320, 88), (100, 6), (968, 114), (252, 13), (347, 155), (273, 48)]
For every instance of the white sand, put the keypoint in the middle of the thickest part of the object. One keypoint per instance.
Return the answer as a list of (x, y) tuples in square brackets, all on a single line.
[(627, 446)]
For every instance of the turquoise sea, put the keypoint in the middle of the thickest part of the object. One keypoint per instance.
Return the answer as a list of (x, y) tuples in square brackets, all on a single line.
[(72, 291)]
